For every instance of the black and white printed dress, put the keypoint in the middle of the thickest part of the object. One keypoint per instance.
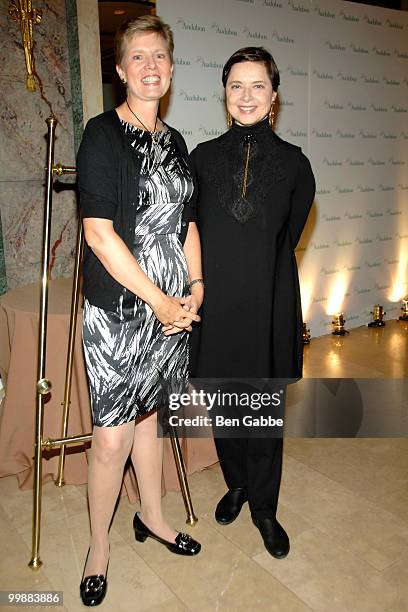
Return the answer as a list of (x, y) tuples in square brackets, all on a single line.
[(126, 352)]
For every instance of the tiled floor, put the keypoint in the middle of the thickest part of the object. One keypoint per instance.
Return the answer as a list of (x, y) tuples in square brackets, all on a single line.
[(343, 501)]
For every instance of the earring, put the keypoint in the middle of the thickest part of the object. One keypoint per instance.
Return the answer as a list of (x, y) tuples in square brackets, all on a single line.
[(271, 116), (124, 81), (229, 120)]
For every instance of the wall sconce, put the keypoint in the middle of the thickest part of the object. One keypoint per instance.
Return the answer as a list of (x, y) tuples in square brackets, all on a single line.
[(306, 334), (404, 310), (23, 13), (338, 325), (378, 315)]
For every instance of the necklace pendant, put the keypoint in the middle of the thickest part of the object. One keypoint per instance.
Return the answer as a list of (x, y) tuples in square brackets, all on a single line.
[(154, 134)]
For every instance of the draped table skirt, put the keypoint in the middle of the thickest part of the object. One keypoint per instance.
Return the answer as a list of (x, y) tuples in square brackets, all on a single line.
[(18, 369)]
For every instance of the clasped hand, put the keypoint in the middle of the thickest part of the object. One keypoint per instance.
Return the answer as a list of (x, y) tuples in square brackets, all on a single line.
[(190, 306), (177, 314)]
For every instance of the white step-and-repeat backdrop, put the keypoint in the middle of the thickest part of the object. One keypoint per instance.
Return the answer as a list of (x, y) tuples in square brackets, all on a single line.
[(344, 100)]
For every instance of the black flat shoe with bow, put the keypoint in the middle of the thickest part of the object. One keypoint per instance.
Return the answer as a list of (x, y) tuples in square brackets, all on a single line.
[(184, 544), (93, 588)]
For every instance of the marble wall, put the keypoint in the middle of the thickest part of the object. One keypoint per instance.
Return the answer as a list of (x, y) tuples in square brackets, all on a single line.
[(23, 150), (3, 277), (89, 53)]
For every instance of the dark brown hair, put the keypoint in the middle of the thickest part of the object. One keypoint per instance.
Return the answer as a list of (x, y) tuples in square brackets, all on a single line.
[(142, 25), (253, 54)]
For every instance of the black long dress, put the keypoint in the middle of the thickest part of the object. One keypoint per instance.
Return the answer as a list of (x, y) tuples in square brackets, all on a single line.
[(251, 317)]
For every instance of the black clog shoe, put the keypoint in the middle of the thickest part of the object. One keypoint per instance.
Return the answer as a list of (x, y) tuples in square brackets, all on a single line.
[(275, 538), (229, 506)]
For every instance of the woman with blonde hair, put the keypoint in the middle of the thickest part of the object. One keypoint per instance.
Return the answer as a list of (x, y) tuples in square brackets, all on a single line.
[(142, 271)]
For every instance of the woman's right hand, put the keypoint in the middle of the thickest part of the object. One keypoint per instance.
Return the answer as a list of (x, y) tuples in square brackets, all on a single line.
[(169, 310)]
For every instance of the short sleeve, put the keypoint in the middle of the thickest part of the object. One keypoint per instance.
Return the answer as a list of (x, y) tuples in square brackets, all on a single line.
[(97, 173)]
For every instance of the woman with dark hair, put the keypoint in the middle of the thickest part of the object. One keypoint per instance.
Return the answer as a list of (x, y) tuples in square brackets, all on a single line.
[(254, 195), (142, 270)]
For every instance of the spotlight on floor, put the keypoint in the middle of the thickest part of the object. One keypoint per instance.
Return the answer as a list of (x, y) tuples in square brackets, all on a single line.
[(378, 315), (338, 325), (306, 334), (404, 310)]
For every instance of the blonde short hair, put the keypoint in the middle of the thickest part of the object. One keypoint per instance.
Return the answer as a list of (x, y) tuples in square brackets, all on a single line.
[(141, 25)]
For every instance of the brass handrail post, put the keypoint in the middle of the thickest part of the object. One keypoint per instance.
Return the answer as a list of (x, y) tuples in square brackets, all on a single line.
[(181, 471), (43, 385), (70, 355)]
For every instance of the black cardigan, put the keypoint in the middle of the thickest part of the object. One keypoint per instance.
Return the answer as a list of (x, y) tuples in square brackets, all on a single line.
[(108, 181)]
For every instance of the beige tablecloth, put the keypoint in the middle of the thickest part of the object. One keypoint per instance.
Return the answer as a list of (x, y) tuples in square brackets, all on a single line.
[(18, 369)]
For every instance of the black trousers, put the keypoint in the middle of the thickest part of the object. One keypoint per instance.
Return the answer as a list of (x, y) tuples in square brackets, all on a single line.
[(254, 463)]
